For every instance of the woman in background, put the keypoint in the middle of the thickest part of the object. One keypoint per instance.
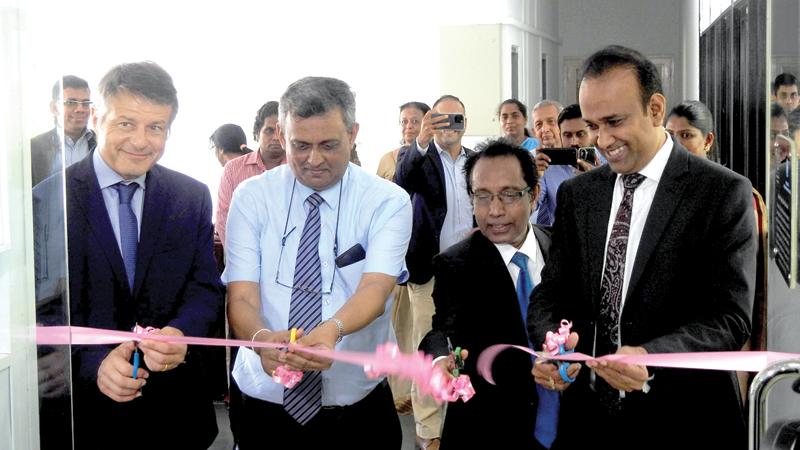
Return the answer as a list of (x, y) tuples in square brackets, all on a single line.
[(229, 142)]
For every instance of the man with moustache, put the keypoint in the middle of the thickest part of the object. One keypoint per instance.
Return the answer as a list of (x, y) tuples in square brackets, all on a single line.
[(652, 253), (316, 244), (270, 154)]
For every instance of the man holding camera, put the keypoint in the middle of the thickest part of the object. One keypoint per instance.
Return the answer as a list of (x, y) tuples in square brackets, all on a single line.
[(432, 170), (559, 127)]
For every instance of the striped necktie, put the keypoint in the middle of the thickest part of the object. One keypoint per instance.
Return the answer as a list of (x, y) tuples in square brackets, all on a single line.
[(304, 401)]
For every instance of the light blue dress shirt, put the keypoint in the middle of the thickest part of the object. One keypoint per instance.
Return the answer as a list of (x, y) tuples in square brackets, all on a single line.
[(107, 178), (373, 212), (458, 218), (549, 184), (74, 150)]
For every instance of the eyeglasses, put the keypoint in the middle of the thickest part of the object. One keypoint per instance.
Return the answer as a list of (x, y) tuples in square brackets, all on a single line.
[(405, 122), (506, 197), (290, 284), (75, 103)]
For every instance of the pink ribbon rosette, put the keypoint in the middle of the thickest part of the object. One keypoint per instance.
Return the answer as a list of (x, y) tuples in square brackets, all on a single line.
[(432, 380), (286, 376)]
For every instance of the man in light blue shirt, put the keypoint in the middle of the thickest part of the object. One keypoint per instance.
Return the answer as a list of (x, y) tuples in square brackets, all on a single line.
[(322, 235)]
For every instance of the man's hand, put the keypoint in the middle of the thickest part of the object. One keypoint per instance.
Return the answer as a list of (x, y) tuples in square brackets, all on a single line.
[(271, 357), (163, 356), (323, 337), (53, 369), (622, 376), (428, 126), (584, 166), (449, 364), (546, 374), (542, 163), (115, 375)]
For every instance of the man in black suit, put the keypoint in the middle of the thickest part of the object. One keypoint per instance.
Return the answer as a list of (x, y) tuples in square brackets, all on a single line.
[(652, 253), (431, 170), (140, 252), (477, 304), (71, 106)]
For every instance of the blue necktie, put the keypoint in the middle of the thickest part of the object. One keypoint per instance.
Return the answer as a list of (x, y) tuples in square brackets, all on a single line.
[(547, 412), (128, 229), (304, 401)]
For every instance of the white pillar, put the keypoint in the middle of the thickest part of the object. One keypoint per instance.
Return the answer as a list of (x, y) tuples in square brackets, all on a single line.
[(690, 31)]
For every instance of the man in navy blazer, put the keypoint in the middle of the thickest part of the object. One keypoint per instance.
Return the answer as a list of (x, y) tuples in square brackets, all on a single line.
[(685, 282), (175, 284), (431, 169)]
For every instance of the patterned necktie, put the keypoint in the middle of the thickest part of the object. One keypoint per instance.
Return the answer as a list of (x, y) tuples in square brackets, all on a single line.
[(304, 401), (547, 411), (611, 287), (128, 229)]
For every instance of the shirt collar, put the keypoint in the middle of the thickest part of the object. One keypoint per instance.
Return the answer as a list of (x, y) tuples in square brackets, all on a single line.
[(87, 133), (441, 150), (655, 168), (528, 248), (254, 158), (106, 176)]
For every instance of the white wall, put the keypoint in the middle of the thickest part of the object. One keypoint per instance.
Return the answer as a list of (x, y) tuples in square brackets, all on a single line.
[(652, 27)]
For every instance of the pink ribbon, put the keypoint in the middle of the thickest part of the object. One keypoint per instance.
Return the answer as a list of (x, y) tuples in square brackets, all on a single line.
[(553, 341), (738, 361), (387, 358), (286, 376)]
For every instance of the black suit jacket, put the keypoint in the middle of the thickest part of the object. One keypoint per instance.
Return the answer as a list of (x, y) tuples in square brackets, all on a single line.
[(476, 307), (691, 290), (423, 178), (43, 151), (176, 284)]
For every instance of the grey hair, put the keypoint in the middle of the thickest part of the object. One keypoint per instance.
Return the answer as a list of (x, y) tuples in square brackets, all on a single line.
[(545, 103), (312, 96), (146, 80)]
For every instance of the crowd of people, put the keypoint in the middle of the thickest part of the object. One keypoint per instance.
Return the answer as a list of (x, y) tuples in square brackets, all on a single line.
[(607, 213)]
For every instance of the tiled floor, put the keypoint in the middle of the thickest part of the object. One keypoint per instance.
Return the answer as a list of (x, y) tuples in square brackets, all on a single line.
[(225, 440)]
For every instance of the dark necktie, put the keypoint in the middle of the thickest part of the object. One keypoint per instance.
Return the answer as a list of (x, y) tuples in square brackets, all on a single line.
[(545, 215), (128, 229), (547, 411), (304, 401), (611, 286)]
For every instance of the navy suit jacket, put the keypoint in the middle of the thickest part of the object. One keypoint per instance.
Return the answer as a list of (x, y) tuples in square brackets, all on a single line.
[(423, 178), (476, 307), (177, 284), (691, 290)]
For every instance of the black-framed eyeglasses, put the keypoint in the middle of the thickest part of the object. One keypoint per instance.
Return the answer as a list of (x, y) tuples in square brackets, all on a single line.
[(76, 103), (308, 289), (483, 198)]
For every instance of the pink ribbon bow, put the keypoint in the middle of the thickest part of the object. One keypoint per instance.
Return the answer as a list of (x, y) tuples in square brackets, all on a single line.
[(286, 376), (553, 342)]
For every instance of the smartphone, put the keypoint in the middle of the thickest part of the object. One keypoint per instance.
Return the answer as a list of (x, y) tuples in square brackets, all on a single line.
[(569, 156), (561, 156), (455, 121)]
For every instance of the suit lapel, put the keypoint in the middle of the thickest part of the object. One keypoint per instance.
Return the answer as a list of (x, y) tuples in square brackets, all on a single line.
[(86, 195), (504, 302), (668, 195), (152, 220)]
